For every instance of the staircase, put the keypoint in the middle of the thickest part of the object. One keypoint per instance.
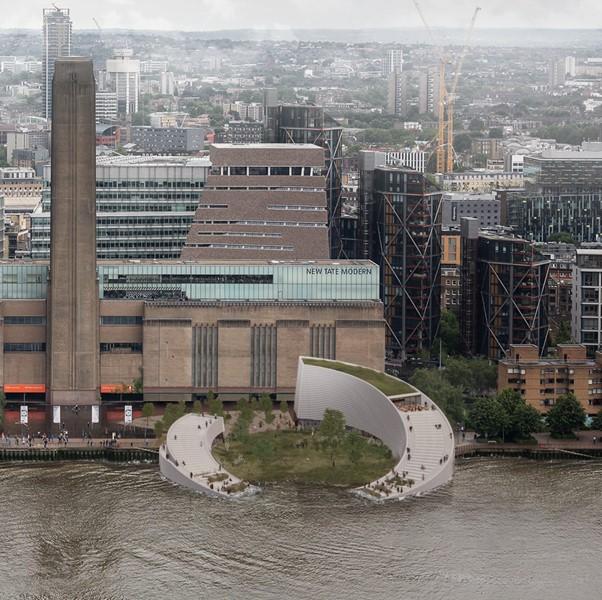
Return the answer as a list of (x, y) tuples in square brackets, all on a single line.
[(185, 458)]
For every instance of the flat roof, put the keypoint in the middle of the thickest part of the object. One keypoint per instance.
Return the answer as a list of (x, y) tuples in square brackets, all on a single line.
[(265, 146), (569, 155), (153, 160), (161, 261)]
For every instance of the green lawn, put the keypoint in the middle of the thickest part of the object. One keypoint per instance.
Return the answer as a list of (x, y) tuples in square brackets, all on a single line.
[(385, 383), (296, 456)]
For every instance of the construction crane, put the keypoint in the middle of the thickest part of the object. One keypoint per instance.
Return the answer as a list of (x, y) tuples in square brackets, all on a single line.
[(444, 151), (99, 31), (451, 97)]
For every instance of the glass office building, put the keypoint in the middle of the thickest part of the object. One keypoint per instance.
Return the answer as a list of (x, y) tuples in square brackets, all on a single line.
[(145, 206)]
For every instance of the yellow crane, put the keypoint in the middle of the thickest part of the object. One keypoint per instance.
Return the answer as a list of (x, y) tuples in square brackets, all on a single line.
[(444, 151)]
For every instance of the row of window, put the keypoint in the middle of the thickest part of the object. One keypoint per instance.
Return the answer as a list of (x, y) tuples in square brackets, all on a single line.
[(187, 278), (113, 183), (263, 171), (245, 247), (263, 223), (303, 207), (24, 320), (259, 234), (121, 347), (120, 320), (22, 347)]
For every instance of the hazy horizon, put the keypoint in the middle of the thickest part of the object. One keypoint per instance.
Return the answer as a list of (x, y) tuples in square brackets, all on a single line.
[(218, 15)]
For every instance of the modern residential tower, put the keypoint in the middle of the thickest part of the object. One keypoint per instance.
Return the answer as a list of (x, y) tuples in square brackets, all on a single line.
[(56, 44)]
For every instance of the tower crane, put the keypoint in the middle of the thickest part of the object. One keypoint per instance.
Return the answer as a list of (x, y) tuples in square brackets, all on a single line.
[(444, 150)]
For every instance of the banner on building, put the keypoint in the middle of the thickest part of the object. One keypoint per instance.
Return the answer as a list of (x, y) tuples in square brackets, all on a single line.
[(24, 415), (56, 414), (128, 413), (95, 413)]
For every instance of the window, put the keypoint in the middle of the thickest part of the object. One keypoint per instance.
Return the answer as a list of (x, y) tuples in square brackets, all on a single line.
[(258, 171), (30, 347), (120, 320), (121, 347), (24, 320)]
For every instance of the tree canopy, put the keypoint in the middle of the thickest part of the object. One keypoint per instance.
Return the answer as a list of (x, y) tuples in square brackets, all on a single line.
[(565, 416), (332, 431), (505, 415)]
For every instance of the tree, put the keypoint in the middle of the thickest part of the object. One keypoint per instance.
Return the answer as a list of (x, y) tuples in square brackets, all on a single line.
[(449, 332), (436, 386), (283, 406), (138, 385), (214, 404), (521, 419), (355, 446), (159, 428), (172, 413), (462, 142), (563, 335), (475, 376), (148, 410), (487, 416), (563, 237), (506, 415), (197, 407), (332, 431), (565, 416), (496, 132), (244, 409), (265, 403)]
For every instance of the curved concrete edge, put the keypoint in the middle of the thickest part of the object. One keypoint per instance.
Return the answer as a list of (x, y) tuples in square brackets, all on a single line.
[(368, 409), (186, 459)]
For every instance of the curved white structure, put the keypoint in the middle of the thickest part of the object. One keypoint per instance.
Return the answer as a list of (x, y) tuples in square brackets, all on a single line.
[(185, 458), (410, 424)]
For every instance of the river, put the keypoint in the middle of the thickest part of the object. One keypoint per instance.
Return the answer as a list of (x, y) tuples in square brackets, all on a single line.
[(507, 529)]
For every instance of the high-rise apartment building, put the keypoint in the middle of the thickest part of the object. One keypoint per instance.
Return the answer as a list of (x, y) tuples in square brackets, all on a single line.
[(123, 75), (429, 91), (262, 201), (56, 44), (557, 72), (504, 292), (393, 61), (587, 298), (400, 230), (397, 94)]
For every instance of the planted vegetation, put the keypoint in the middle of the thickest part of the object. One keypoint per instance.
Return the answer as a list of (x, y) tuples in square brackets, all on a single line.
[(331, 455)]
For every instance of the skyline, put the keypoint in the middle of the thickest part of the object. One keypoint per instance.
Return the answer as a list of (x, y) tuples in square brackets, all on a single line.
[(216, 15)]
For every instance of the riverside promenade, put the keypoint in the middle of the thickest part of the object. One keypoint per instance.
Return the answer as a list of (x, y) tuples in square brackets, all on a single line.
[(588, 445)]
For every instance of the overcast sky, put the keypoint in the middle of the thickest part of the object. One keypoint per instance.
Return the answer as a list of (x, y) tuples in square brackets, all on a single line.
[(203, 15)]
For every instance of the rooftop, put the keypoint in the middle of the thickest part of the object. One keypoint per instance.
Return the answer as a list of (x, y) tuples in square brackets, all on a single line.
[(290, 147), (388, 385), (153, 160), (256, 262)]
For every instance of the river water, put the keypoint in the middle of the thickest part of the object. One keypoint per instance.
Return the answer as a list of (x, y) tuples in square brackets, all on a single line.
[(507, 529)]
